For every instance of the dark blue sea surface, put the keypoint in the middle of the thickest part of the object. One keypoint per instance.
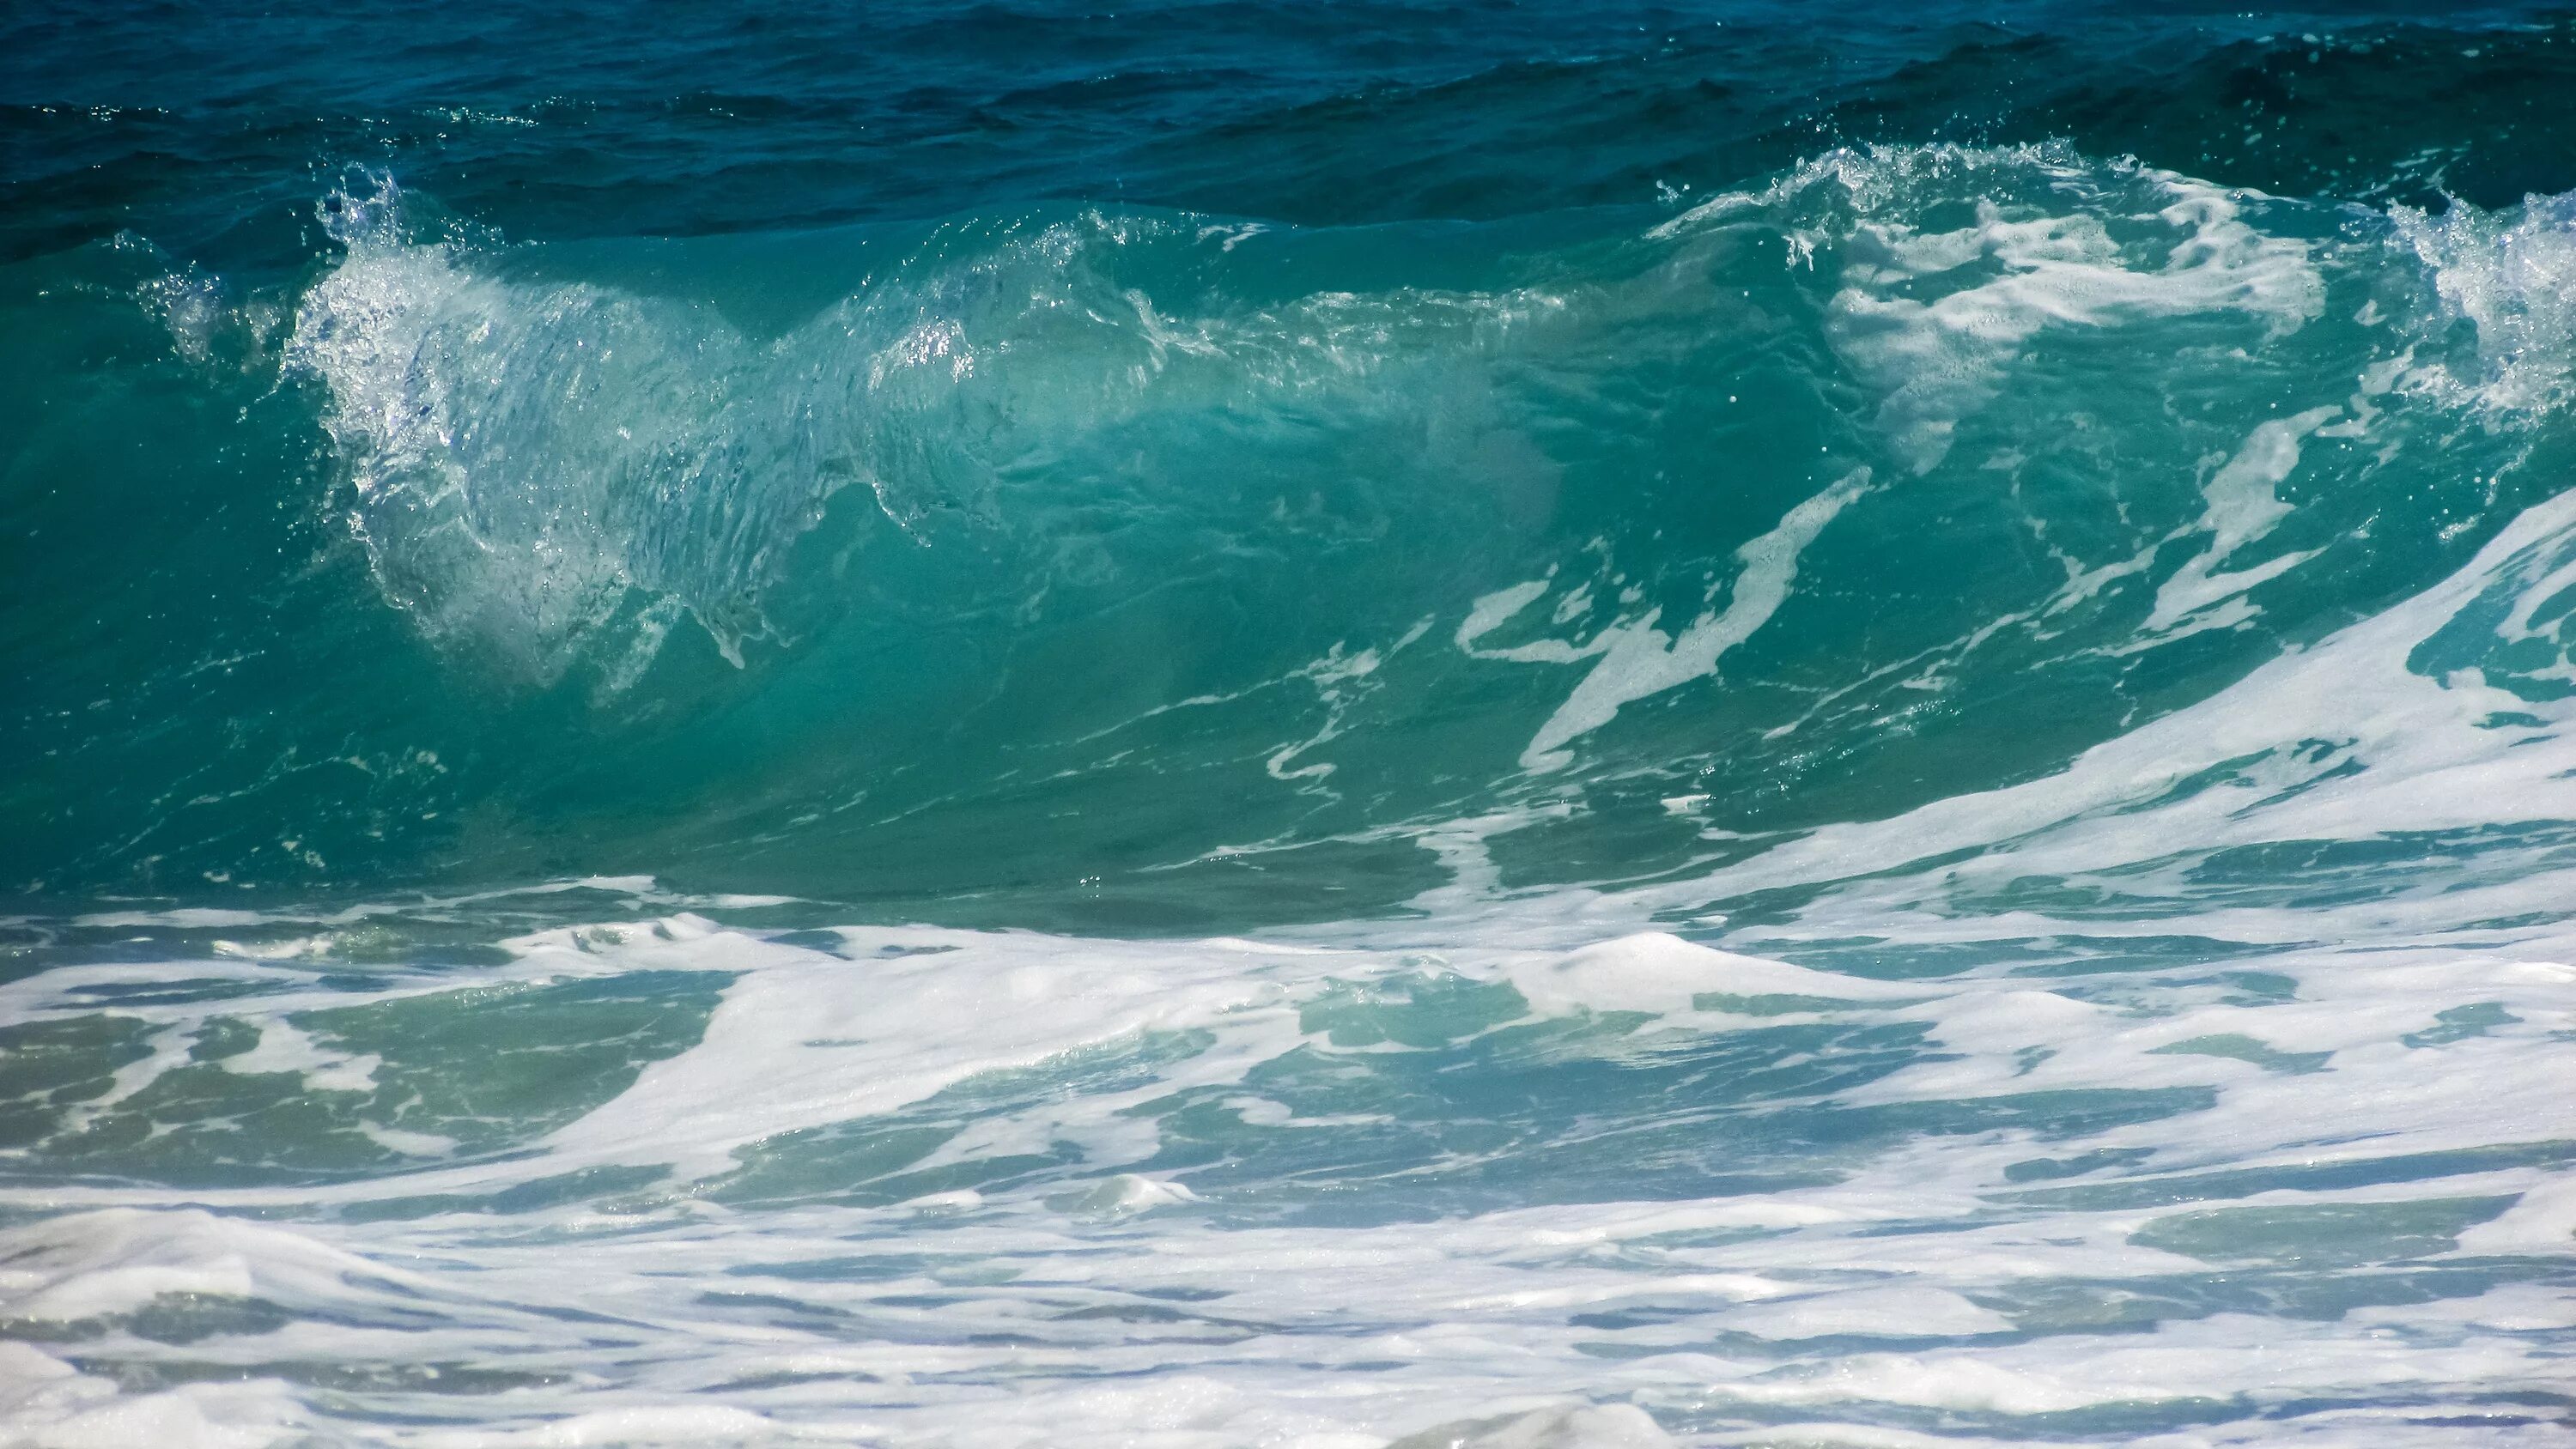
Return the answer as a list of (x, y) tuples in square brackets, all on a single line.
[(1320, 726)]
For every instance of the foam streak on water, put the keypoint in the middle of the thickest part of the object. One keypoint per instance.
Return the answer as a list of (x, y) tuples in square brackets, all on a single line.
[(2225, 1169)]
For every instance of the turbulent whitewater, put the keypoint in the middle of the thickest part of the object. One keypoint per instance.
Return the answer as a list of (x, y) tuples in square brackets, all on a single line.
[(1438, 728)]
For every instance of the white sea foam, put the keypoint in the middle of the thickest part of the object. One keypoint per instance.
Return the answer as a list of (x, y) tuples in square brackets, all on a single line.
[(2056, 244), (506, 441), (1639, 660), (2056, 1181), (543, 471), (2243, 503), (46, 1404), (1751, 1301), (2510, 274)]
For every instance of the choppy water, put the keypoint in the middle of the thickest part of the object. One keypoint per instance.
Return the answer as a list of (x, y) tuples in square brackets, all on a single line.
[(1245, 724)]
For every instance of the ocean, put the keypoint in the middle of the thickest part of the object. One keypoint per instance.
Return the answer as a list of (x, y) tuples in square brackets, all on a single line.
[(1233, 724)]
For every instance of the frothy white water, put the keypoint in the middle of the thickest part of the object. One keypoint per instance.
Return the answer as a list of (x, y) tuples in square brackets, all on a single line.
[(1932, 317), (542, 470), (2336, 1208), (2344, 1130), (2510, 275), (525, 455), (1639, 659), (2209, 1091)]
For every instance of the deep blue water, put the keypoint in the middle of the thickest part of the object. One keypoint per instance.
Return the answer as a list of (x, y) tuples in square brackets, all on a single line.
[(1294, 725)]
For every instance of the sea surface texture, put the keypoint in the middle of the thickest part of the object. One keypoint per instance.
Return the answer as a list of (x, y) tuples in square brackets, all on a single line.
[(1277, 725)]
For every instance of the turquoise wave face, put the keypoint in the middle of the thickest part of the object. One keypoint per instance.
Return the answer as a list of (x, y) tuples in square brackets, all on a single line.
[(1230, 725), (792, 563)]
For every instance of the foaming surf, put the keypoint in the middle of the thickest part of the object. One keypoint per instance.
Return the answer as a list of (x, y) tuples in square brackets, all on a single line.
[(2019, 1122)]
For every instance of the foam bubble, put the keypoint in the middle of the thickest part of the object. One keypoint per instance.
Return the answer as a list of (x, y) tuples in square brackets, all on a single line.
[(2510, 274), (1640, 660)]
